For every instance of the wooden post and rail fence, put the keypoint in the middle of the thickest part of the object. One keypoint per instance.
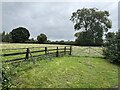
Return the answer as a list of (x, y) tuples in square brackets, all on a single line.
[(28, 53)]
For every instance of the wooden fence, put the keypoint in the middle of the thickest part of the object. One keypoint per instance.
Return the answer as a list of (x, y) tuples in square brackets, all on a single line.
[(28, 53)]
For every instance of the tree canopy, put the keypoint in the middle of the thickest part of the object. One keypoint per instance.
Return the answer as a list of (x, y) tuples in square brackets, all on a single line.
[(92, 21), (5, 37), (42, 38), (109, 36), (20, 34)]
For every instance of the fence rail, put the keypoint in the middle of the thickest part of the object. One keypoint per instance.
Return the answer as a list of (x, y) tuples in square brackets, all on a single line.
[(26, 47), (28, 53), (11, 54)]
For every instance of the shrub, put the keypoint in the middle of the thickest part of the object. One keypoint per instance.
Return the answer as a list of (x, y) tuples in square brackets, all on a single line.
[(6, 78), (112, 50)]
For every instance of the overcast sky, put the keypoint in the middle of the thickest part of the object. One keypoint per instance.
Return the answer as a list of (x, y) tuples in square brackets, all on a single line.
[(51, 18)]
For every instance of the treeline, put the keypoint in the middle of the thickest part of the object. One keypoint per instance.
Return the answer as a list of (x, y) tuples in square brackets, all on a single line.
[(5, 37), (62, 42), (21, 35), (42, 38)]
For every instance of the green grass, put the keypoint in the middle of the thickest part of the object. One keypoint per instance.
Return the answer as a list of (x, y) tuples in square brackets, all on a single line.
[(66, 72), (86, 68)]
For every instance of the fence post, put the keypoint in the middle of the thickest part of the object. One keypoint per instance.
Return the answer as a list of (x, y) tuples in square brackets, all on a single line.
[(27, 54), (70, 50), (57, 53), (45, 50), (65, 50), (31, 57)]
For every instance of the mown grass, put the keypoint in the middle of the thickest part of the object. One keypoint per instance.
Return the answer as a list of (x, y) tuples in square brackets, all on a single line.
[(66, 72)]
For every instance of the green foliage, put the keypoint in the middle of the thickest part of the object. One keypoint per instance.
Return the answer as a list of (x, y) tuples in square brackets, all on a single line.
[(32, 40), (110, 35), (62, 42), (92, 21), (20, 34), (112, 51), (84, 39), (42, 38), (5, 37), (6, 77)]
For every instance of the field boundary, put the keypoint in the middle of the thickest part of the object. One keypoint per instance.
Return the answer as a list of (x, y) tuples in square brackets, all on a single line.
[(28, 53)]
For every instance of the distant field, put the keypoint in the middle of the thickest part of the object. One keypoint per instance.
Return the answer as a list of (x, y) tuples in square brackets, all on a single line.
[(76, 50), (10, 46), (85, 68), (18, 45), (87, 51)]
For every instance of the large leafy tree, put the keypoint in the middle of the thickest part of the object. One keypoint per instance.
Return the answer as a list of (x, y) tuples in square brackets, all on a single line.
[(20, 34), (42, 38), (83, 38), (92, 21)]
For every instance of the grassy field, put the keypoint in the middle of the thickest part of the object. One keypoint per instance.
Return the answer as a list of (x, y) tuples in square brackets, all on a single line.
[(65, 72), (86, 68)]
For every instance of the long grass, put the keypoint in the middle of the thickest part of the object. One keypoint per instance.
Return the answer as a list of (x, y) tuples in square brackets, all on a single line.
[(65, 72)]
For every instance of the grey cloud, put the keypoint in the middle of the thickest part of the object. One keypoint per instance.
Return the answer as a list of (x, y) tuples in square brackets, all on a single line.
[(0, 17), (119, 15)]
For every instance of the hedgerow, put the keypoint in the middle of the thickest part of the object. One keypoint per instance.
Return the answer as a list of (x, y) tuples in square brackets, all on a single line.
[(112, 50)]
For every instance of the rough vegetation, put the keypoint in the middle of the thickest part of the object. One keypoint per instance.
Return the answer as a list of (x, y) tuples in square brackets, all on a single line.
[(112, 50)]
